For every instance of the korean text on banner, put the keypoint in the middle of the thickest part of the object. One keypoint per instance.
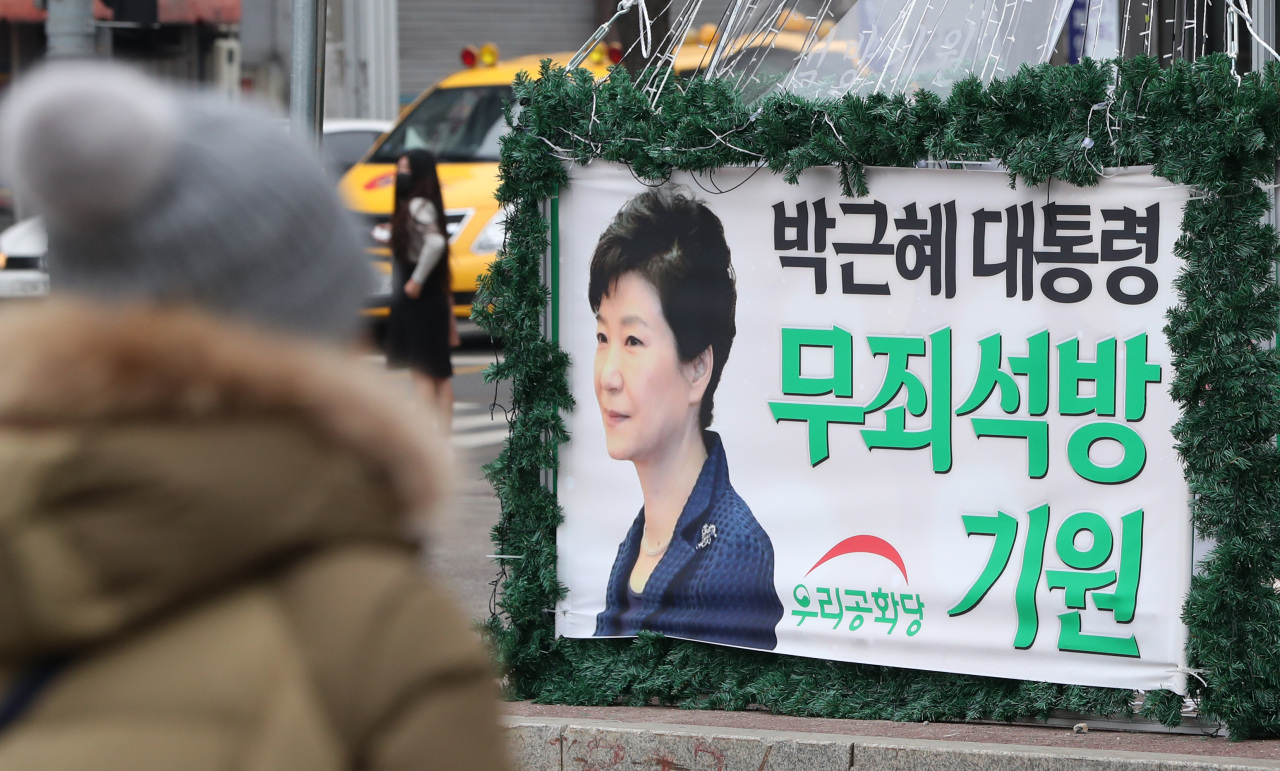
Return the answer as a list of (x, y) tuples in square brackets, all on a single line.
[(942, 428)]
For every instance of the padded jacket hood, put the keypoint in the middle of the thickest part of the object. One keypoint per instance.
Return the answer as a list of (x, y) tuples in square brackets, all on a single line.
[(149, 456), (214, 528)]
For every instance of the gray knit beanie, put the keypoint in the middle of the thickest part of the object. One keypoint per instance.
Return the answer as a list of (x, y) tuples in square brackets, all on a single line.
[(152, 194)]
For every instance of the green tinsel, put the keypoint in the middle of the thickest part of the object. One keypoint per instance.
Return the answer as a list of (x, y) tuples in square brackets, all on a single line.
[(1196, 124)]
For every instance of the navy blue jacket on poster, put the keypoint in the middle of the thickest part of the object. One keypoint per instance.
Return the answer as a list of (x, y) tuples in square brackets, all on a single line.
[(715, 581)]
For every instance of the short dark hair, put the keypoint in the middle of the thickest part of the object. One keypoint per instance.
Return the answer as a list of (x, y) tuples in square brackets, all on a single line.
[(673, 241)]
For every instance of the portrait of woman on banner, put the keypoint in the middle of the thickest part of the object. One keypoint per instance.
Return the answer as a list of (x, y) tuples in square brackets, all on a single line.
[(695, 563)]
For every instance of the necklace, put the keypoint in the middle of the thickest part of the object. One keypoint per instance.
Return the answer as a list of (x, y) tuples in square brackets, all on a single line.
[(644, 544)]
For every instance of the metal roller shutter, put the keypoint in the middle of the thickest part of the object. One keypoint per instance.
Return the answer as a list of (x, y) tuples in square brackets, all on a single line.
[(433, 32)]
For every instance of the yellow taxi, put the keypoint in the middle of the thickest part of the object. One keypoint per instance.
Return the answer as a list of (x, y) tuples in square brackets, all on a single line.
[(459, 119), (763, 57)]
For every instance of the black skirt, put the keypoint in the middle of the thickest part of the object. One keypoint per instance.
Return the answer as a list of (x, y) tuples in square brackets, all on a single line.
[(418, 331)]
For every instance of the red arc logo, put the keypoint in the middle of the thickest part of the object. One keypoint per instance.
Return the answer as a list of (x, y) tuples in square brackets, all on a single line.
[(864, 544)]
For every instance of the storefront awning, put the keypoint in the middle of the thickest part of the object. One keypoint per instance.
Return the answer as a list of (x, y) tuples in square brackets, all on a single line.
[(199, 11), (167, 11), (26, 11)]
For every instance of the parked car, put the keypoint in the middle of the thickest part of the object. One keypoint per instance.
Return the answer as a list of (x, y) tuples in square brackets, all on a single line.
[(22, 267), (343, 142)]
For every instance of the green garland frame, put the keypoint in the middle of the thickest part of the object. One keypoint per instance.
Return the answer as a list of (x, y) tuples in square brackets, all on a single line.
[(1196, 124)]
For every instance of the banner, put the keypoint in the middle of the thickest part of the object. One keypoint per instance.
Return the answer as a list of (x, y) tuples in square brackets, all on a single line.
[(928, 428)]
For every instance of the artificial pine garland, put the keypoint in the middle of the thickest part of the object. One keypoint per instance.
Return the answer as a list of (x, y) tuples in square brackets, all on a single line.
[(1196, 124)]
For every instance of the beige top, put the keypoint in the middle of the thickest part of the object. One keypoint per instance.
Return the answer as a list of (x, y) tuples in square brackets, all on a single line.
[(426, 241)]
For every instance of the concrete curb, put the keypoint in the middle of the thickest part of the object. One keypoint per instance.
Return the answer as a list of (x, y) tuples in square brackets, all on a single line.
[(562, 744)]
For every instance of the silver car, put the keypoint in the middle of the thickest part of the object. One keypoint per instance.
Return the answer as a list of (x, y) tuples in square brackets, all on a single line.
[(23, 273)]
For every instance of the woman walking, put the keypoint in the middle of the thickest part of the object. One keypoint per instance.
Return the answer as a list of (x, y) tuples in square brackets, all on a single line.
[(421, 311)]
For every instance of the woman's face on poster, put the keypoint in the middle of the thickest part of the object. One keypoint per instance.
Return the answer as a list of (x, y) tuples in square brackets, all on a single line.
[(647, 396)]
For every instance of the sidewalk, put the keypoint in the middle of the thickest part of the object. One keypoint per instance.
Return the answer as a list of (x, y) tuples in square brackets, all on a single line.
[(552, 738)]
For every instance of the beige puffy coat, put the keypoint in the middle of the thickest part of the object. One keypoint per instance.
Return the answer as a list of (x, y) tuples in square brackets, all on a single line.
[(213, 525)]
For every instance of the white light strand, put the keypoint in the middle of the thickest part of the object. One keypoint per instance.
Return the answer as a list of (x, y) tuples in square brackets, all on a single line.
[(920, 56), (876, 45), (982, 34), (760, 43), (1097, 28), (1124, 35), (811, 38), (889, 40), (1049, 38), (1180, 29), (992, 56), (1190, 26), (1089, 143), (646, 28), (1189, 671), (670, 45), (897, 56), (902, 83), (728, 30)]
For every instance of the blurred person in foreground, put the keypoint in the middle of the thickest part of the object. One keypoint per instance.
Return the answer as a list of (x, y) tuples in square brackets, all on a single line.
[(421, 320), (208, 501)]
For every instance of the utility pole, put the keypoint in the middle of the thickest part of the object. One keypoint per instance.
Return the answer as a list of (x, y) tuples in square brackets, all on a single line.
[(306, 81), (69, 29)]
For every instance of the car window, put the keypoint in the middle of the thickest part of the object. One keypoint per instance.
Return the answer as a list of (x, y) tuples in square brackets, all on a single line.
[(457, 124), (343, 148), (759, 68), (756, 70)]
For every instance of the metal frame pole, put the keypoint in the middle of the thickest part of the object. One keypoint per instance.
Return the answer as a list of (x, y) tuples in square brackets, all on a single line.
[(69, 28), (1264, 27), (1264, 23), (306, 76)]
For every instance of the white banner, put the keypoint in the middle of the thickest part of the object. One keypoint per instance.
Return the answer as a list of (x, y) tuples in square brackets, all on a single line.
[(940, 439)]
